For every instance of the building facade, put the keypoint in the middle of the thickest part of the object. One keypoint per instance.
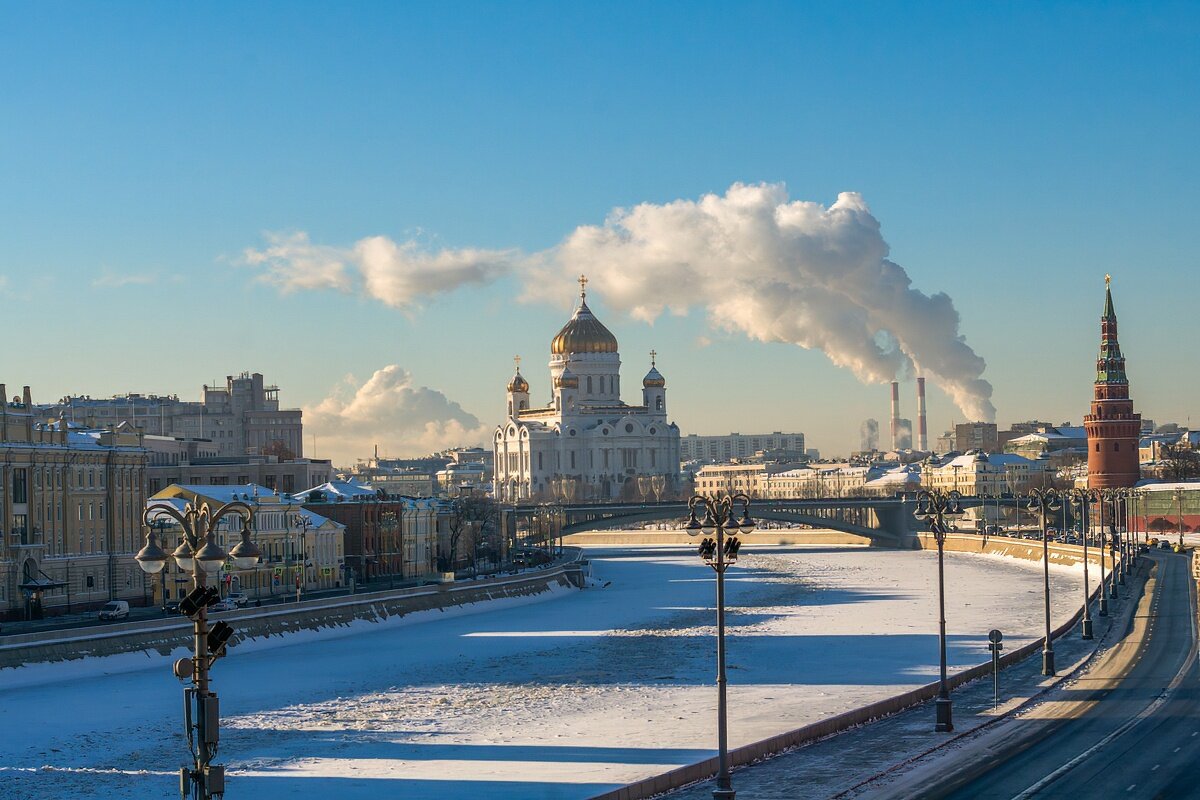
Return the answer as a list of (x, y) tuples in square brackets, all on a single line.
[(586, 437), (386, 537), (694, 447), (241, 417), (70, 514), (300, 549), (976, 436), (1112, 426)]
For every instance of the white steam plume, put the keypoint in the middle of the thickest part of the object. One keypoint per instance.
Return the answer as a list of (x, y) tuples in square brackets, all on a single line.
[(775, 269), (779, 271)]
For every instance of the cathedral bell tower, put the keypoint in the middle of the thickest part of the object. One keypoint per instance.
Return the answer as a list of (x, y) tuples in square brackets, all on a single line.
[(1112, 428), (518, 391)]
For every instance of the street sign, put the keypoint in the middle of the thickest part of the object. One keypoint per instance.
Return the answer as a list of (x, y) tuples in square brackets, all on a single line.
[(995, 636)]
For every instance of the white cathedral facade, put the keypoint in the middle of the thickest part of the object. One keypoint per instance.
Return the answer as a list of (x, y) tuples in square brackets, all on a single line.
[(585, 444)]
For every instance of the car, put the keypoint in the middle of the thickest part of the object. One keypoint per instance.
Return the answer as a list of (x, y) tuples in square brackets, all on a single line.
[(114, 609), (240, 599), (225, 604)]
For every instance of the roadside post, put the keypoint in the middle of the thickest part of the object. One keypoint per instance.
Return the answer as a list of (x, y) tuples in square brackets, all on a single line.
[(995, 637)]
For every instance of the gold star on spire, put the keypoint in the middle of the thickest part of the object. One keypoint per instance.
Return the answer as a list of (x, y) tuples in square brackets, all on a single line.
[(1107, 279)]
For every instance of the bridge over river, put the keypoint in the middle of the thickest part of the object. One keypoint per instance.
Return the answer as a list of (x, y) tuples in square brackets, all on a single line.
[(886, 521)]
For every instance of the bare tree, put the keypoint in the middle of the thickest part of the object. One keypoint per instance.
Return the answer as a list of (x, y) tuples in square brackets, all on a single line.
[(1180, 462), (476, 515)]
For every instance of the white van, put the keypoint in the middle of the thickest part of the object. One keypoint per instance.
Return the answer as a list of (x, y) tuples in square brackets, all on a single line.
[(114, 609)]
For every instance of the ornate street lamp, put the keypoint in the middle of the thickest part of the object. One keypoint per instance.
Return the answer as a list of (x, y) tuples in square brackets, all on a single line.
[(1094, 495), (200, 555), (721, 520), (938, 508), (1078, 499), (1045, 503)]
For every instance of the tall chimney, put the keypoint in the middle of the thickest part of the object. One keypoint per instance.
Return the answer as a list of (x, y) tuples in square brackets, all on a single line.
[(895, 415), (922, 431)]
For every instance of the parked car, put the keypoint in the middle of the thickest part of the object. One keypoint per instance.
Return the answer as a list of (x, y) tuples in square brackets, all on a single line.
[(114, 609), (240, 599), (225, 604)]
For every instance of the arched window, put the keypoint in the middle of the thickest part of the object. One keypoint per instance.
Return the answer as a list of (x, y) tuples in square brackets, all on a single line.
[(524, 405), (589, 384), (510, 408), (658, 403)]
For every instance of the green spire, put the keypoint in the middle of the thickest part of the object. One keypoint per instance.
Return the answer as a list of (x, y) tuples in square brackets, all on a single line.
[(1109, 312)]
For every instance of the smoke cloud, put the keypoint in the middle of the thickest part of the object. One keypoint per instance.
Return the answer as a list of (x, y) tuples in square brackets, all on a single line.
[(781, 271), (755, 261)]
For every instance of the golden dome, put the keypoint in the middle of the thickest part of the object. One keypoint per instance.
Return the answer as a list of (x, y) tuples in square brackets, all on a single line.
[(518, 384), (567, 380), (583, 333), (654, 378)]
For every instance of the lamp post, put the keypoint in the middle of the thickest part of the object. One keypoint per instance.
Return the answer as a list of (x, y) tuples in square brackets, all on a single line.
[(1108, 537), (300, 572), (937, 508), (1178, 492), (1045, 502), (720, 518), (1095, 495), (200, 555), (1078, 499)]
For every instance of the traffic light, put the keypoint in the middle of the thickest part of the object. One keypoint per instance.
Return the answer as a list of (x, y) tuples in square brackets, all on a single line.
[(218, 637), (198, 598)]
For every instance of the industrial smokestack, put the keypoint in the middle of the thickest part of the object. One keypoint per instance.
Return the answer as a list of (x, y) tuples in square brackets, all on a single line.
[(922, 431), (895, 415)]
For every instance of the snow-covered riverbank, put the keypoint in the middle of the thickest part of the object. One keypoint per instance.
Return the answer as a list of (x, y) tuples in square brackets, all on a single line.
[(553, 699)]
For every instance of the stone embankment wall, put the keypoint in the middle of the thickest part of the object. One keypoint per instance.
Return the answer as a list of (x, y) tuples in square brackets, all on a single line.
[(1067, 555), (166, 635)]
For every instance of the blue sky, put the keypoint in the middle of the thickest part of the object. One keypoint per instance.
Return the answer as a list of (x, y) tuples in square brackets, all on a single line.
[(1012, 154)]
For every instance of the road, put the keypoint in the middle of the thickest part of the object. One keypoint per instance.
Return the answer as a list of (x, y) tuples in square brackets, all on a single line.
[(1129, 728)]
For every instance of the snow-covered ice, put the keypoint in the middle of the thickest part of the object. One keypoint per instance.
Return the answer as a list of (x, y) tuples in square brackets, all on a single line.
[(559, 697)]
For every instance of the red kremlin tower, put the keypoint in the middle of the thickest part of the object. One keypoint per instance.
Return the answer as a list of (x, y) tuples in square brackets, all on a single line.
[(1112, 427)]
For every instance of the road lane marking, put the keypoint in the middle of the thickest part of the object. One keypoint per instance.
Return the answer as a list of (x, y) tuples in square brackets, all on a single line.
[(1156, 766), (1131, 786), (1177, 749)]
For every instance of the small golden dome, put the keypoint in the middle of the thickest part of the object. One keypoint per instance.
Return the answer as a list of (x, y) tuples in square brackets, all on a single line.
[(654, 378), (583, 333), (518, 384)]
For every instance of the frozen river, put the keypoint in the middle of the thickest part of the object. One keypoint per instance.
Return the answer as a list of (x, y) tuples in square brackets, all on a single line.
[(558, 697)]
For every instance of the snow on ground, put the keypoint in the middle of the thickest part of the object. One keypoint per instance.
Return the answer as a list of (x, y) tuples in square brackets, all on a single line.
[(555, 699)]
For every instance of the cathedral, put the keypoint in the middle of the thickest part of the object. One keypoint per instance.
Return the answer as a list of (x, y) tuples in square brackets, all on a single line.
[(586, 444)]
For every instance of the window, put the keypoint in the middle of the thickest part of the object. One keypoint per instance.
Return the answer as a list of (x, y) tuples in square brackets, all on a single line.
[(1116, 446), (20, 487), (589, 384)]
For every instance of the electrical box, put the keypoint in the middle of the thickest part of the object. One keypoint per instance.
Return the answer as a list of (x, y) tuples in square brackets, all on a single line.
[(211, 714), (214, 779)]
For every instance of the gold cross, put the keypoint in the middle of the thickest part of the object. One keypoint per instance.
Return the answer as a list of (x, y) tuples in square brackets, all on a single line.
[(583, 285), (1107, 280), (517, 361), (653, 355)]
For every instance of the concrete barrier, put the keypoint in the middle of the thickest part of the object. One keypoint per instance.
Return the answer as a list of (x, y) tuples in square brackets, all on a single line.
[(166, 635)]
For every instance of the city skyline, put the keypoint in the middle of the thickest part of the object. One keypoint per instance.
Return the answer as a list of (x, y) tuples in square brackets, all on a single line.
[(167, 163)]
